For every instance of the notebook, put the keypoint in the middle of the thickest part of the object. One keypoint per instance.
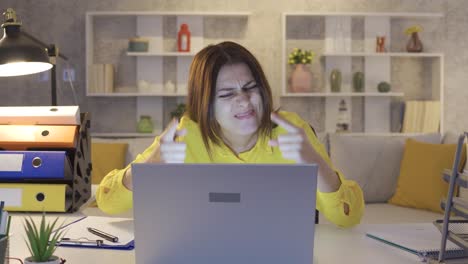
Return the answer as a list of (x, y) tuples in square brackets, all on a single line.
[(77, 235), (224, 213), (421, 239)]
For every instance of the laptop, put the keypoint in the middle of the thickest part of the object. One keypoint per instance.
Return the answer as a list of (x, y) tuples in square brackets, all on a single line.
[(224, 213)]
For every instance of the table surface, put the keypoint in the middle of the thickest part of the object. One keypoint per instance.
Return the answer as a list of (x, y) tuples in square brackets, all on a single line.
[(332, 245)]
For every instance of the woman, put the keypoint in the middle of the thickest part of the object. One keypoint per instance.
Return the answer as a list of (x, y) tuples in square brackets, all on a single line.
[(230, 119)]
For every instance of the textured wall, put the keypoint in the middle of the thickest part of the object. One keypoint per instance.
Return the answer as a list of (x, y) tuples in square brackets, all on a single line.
[(65, 24)]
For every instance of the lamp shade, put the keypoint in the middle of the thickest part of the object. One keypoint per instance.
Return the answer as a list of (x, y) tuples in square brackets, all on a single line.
[(19, 55)]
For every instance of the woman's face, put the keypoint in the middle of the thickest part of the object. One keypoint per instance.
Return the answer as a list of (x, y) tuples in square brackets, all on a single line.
[(238, 104)]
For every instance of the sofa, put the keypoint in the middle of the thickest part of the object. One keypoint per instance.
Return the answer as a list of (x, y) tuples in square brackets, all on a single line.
[(371, 160)]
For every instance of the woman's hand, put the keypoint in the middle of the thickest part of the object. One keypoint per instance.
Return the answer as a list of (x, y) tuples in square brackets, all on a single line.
[(295, 145), (169, 151)]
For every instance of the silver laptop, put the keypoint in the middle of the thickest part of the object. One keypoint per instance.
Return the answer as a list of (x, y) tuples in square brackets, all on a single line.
[(224, 213)]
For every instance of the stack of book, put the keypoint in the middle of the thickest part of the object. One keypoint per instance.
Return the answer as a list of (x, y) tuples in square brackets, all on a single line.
[(101, 78), (421, 117)]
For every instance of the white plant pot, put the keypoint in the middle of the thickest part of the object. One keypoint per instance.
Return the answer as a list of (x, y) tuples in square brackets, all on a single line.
[(53, 260)]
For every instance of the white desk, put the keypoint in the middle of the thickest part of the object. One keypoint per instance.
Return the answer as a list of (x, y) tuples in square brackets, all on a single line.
[(332, 245)]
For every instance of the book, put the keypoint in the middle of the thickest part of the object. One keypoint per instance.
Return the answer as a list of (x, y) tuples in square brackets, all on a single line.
[(421, 239)]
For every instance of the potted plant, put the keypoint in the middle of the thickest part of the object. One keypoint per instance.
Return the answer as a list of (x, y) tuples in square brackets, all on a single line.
[(42, 241), (301, 76), (179, 111), (414, 43)]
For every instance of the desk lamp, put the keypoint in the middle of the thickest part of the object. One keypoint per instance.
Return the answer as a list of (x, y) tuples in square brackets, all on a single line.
[(23, 54)]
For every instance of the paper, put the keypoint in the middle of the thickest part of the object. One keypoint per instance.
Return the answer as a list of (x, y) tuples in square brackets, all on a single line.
[(119, 227)]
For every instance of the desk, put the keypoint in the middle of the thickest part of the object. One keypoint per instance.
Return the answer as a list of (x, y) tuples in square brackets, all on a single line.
[(332, 245)]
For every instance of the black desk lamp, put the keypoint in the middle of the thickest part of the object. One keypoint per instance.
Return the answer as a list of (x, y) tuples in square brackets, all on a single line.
[(22, 54)]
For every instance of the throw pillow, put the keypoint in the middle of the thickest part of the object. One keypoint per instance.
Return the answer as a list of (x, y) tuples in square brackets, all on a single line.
[(420, 184), (373, 161), (106, 157)]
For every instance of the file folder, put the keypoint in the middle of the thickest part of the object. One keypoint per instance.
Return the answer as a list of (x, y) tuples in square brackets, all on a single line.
[(40, 115), (34, 165), (23, 137), (36, 197)]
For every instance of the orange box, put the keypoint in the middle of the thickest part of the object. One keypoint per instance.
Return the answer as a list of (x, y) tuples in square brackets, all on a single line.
[(23, 137)]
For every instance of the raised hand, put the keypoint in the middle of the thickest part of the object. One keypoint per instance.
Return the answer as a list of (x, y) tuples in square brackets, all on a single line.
[(169, 151), (294, 145)]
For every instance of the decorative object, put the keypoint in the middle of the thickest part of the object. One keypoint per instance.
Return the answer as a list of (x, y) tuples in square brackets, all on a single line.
[(335, 80), (143, 86), (301, 76), (342, 124), (183, 39), (380, 44), (35, 55), (42, 240), (138, 45), (414, 42), (145, 125), (384, 87), (358, 82), (169, 87), (178, 112)]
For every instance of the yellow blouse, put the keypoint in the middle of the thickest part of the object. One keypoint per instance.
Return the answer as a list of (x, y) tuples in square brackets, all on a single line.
[(112, 196)]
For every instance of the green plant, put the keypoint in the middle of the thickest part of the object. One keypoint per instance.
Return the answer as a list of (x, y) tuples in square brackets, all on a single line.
[(42, 240), (298, 56), (179, 111)]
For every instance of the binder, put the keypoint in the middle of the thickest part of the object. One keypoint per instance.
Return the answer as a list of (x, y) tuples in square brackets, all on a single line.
[(421, 239), (23, 137), (36, 197), (34, 165), (77, 234), (40, 115)]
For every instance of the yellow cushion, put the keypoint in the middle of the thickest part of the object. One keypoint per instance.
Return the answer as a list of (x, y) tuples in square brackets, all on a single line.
[(106, 157), (420, 184)]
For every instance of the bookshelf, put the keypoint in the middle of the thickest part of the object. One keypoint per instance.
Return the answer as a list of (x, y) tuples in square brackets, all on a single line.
[(347, 41)]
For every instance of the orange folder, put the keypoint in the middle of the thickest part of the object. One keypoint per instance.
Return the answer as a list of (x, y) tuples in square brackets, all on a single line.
[(23, 137)]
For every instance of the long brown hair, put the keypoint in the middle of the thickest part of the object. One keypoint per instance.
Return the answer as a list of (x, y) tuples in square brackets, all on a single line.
[(203, 74)]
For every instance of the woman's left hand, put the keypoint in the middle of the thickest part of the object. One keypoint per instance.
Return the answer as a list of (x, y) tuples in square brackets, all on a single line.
[(294, 145)]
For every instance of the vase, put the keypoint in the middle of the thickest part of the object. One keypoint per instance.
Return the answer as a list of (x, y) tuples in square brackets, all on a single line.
[(145, 125), (52, 260), (301, 79), (414, 43), (358, 82), (335, 80), (384, 87)]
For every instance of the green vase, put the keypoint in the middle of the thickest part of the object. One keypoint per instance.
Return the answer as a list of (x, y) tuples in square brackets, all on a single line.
[(145, 125), (383, 87), (358, 82), (335, 81)]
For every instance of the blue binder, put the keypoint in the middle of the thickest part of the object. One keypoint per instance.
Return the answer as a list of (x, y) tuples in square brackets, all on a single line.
[(34, 165)]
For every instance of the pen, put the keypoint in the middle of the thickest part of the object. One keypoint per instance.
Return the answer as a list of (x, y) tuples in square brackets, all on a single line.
[(102, 234)]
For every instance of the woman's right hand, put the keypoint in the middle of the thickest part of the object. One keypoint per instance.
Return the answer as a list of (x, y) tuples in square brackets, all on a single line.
[(168, 151)]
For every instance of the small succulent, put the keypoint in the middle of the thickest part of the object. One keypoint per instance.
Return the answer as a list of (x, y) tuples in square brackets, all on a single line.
[(413, 29), (42, 239), (298, 56)]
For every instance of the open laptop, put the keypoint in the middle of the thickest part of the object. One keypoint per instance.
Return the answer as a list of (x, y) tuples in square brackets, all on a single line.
[(224, 213)]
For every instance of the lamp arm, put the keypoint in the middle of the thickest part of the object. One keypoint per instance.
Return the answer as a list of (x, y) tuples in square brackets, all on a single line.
[(49, 47)]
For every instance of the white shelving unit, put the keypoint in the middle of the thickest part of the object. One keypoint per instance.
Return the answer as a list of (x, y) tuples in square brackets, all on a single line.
[(115, 28), (338, 47)]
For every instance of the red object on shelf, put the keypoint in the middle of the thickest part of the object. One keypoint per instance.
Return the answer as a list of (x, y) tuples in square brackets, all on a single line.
[(183, 38)]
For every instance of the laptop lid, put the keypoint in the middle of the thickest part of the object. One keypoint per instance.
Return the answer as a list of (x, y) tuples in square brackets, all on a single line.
[(224, 213)]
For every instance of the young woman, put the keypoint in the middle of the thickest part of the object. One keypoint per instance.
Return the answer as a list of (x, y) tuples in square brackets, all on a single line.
[(230, 119)]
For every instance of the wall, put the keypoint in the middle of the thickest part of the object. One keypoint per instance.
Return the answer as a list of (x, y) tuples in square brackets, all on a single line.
[(65, 26)]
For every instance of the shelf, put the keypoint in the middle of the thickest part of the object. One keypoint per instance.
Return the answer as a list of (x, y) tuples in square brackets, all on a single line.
[(384, 54), (462, 178), (125, 135), (162, 54), (155, 13), (376, 94), (370, 14), (134, 95)]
